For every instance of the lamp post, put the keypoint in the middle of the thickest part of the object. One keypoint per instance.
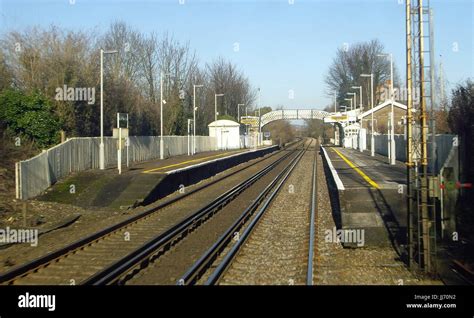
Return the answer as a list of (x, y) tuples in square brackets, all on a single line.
[(360, 96), (360, 109), (238, 111), (345, 111), (362, 122), (371, 75), (194, 118), (349, 100), (189, 132), (101, 145), (215, 105), (354, 96), (335, 110), (162, 101), (392, 126), (259, 117)]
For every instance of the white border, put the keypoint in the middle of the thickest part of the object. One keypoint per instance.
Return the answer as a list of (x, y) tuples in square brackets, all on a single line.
[(335, 176)]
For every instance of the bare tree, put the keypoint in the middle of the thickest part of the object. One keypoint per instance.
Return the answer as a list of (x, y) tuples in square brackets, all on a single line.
[(178, 62), (5, 73), (148, 64), (224, 77), (142, 59), (350, 63), (45, 59), (128, 43)]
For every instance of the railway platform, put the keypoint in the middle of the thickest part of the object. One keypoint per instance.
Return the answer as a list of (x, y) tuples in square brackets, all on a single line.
[(145, 182), (369, 197)]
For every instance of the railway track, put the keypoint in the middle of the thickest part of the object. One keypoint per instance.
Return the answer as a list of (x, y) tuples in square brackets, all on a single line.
[(276, 245), (163, 262), (461, 265), (87, 260)]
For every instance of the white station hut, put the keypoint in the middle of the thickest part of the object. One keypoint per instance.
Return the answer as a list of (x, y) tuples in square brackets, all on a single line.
[(227, 133)]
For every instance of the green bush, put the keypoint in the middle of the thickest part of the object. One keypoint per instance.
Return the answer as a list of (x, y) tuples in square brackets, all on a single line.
[(30, 116)]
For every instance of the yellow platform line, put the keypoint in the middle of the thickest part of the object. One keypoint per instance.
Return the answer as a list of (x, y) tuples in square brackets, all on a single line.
[(363, 175), (189, 161)]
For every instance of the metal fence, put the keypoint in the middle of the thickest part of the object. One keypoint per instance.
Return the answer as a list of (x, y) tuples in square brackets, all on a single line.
[(449, 193), (36, 174), (444, 144)]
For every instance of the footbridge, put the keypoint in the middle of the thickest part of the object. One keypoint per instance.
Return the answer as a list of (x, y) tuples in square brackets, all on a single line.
[(293, 114)]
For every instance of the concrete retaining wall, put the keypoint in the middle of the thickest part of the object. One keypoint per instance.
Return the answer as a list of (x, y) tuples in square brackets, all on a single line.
[(195, 173)]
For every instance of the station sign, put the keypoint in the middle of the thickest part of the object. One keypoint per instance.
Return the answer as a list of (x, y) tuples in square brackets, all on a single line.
[(339, 118), (122, 120), (121, 133), (124, 133), (249, 120)]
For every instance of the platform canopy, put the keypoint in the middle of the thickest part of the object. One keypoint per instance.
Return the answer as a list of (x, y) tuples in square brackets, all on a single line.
[(380, 106)]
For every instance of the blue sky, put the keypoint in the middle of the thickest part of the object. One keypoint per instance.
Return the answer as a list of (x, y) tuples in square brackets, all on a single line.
[(282, 46)]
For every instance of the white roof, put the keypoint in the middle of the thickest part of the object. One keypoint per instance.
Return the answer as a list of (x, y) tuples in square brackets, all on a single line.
[(384, 104), (224, 123)]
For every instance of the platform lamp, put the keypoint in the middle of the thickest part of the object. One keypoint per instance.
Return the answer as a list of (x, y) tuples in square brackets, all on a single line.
[(215, 105), (360, 96), (354, 96), (101, 145), (371, 76), (194, 117)]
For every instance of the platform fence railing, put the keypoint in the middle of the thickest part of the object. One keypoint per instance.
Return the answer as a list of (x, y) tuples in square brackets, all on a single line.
[(36, 174)]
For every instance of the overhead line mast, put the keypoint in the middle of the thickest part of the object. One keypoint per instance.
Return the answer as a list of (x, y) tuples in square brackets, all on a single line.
[(421, 220)]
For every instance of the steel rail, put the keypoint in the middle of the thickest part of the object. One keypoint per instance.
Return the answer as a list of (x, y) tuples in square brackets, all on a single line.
[(314, 190)]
